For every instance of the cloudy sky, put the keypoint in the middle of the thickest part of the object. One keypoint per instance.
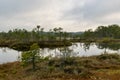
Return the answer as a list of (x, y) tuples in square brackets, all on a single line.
[(72, 15)]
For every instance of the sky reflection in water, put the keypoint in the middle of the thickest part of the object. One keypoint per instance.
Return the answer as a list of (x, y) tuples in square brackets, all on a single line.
[(77, 49)]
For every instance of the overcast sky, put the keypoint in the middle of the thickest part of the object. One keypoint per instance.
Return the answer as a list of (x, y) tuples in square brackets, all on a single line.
[(72, 15)]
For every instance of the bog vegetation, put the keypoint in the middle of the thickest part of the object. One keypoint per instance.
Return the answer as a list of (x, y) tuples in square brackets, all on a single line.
[(35, 67), (102, 67), (58, 34), (110, 31)]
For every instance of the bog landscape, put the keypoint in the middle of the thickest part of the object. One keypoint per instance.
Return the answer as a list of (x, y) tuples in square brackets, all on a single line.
[(51, 44), (56, 54)]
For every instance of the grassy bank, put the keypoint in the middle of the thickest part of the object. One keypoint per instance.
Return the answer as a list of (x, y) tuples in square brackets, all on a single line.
[(99, 40), (24, 46), (102, 67)]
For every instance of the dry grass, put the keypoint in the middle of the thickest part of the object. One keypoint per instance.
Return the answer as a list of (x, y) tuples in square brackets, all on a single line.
[(103, 67)]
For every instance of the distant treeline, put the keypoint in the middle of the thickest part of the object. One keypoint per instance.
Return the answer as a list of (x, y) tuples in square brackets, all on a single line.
[(37, 34), (110, 31)]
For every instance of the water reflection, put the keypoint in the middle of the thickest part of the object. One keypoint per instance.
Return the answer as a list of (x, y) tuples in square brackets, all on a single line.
[(77, 49), (111, 46), (8, 55), (82, 49), (86, 46), (67, 52)]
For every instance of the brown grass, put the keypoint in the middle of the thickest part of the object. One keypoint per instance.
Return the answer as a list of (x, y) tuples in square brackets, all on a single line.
[(103, 67)]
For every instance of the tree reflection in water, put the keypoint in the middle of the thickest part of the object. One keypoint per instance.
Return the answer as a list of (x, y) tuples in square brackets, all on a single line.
[(110, 46), (67, 52)]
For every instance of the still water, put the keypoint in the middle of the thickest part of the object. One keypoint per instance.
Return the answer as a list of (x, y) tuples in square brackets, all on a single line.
[(77, 49), (9, 55)]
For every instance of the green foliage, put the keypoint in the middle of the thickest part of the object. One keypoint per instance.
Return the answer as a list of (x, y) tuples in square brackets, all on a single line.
[(110, 31), (35, 47), (32, 56), (89, 34)]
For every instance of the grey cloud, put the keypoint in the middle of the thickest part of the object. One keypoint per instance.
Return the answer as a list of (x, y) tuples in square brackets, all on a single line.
[(93, 13), (13, 7), (94, 9), (100, 8), (67, 13)]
